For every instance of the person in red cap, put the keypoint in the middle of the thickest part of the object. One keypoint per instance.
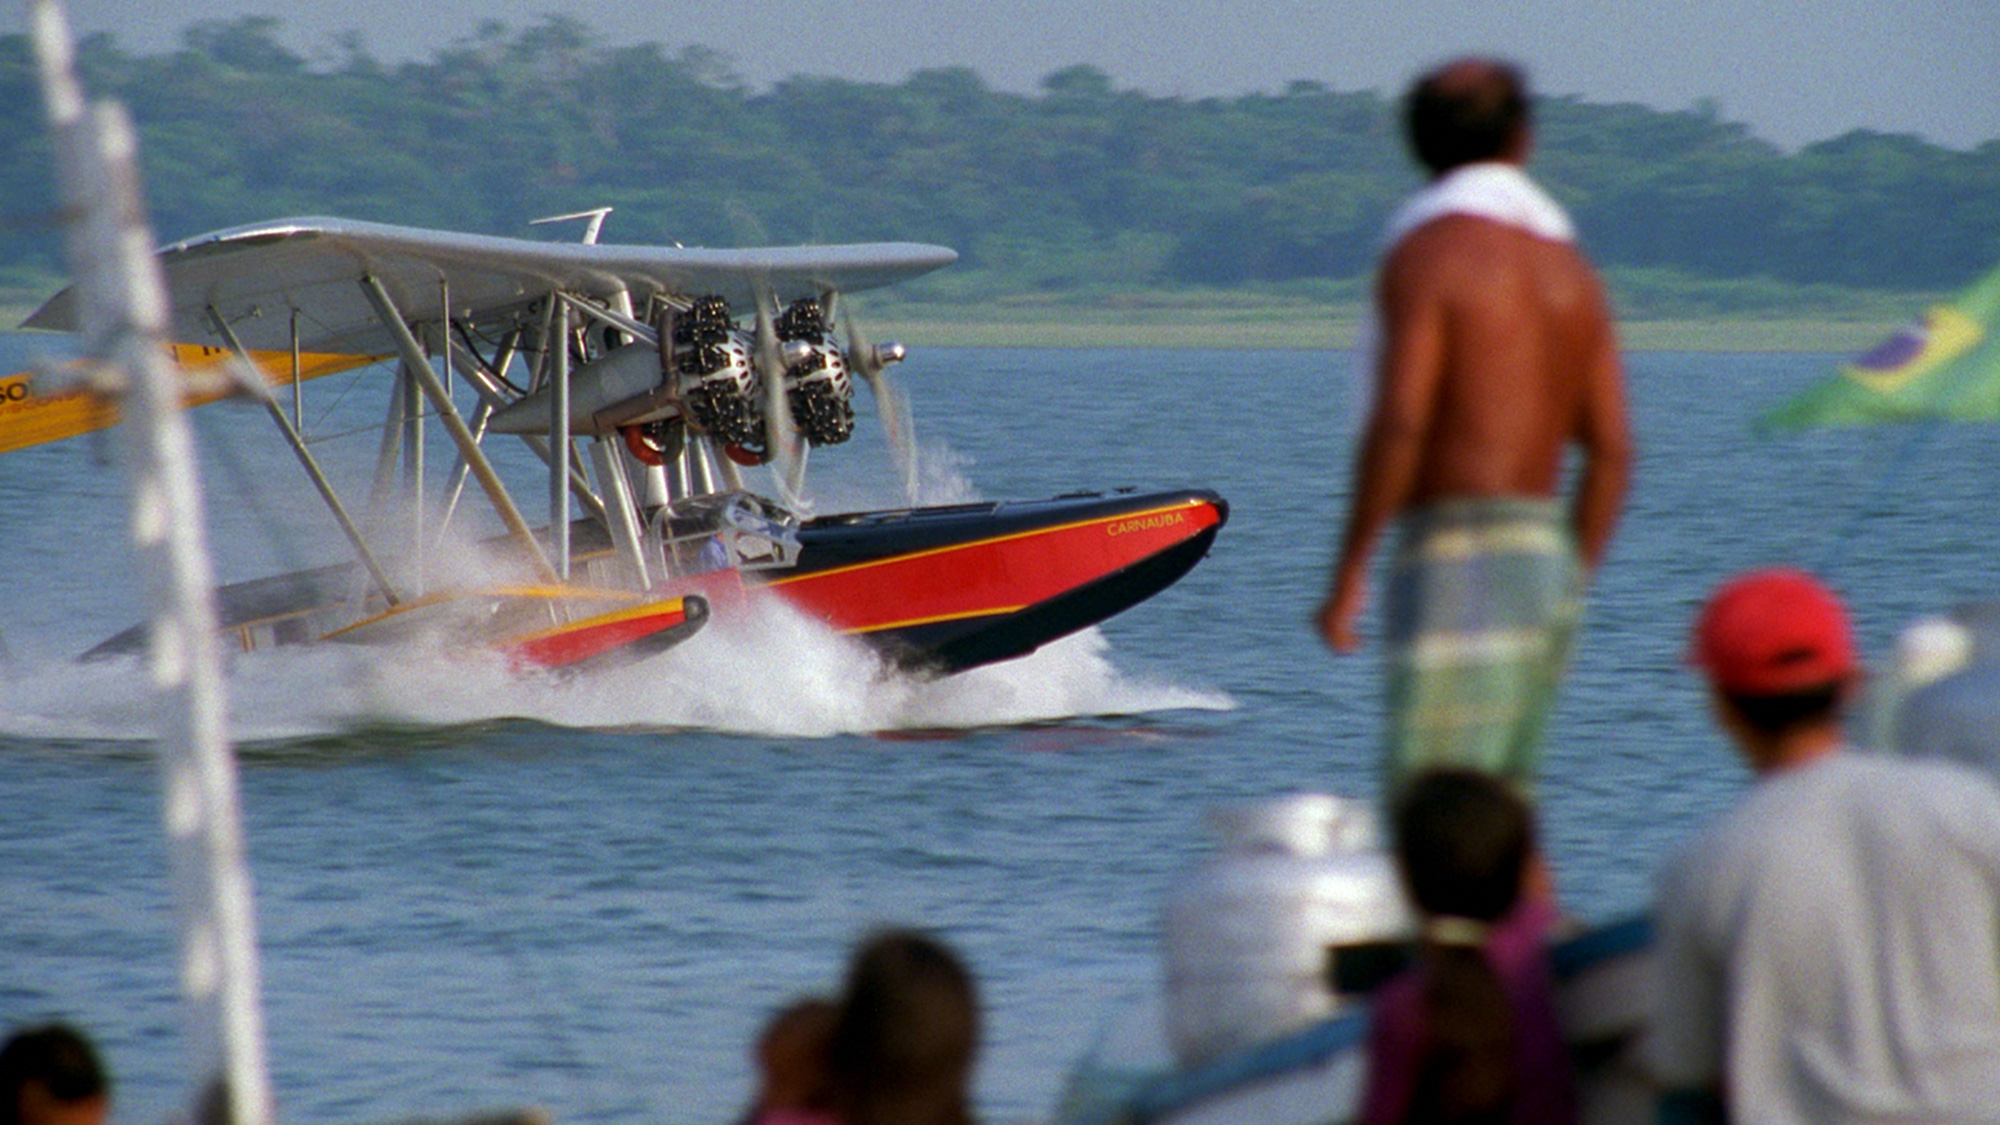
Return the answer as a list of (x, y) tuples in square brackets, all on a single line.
[(1829, 951)]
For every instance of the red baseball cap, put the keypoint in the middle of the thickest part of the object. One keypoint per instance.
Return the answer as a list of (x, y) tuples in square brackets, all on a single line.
[(1770, 632)]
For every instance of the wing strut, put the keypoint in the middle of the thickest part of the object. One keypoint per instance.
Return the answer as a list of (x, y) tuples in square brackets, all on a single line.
[(413, 462), (624, 524), (559, 443), (623, 322), (491, 398), (298, 444), (482, 469), (456, 488)]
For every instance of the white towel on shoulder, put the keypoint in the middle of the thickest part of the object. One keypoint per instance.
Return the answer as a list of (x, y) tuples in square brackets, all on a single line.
[(1500, 192), (1490, 190)]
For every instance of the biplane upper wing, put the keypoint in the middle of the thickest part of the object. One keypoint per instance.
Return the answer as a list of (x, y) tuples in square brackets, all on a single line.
[(256, 277)]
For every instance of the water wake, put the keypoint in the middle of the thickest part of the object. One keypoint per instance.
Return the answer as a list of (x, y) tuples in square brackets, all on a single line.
[(767, 671)]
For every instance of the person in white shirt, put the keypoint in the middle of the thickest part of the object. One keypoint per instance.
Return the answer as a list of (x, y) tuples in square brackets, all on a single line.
[(1829, 951)]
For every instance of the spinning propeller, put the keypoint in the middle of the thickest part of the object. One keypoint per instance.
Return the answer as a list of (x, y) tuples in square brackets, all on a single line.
[(783, 448), (871, 362)]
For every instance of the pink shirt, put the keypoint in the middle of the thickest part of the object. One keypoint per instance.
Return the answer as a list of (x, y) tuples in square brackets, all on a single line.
[(1517, 949)]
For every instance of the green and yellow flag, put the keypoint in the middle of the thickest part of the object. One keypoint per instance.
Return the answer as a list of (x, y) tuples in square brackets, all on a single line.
[(1944, 365)]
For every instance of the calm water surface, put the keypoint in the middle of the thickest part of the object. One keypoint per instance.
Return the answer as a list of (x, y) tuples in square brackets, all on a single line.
[(478, 892)]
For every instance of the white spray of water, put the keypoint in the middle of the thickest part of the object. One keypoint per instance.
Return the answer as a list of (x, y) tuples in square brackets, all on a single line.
[(769, 670), (766, 671), (941, 479)]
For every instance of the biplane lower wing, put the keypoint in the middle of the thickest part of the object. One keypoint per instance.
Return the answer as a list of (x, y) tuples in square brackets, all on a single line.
[(557, 628)]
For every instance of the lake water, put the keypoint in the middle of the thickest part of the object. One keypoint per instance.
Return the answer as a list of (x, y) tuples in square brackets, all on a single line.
[(478, 892)]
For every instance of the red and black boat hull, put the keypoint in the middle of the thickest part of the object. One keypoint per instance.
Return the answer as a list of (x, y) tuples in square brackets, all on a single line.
[(950, 588), (941, 588)]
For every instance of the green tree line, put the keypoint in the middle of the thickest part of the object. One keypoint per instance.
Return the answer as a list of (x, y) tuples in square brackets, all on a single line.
[(1077, 185)]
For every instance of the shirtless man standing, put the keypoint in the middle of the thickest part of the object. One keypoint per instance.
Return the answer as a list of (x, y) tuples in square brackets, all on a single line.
[(1496, 353)]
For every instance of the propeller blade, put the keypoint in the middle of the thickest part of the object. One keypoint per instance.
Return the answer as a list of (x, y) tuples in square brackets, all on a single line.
[(784, 450), (871, 362), (899, 428)]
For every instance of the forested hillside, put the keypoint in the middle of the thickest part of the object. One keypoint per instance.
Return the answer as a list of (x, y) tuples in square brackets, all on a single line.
[(1078, 186)]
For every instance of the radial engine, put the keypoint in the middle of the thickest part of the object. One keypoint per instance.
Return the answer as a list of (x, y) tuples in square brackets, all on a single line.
[(709, 376)]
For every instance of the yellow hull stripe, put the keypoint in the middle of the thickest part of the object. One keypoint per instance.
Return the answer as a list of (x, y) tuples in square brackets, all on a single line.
[(543, 593), (390, 613), (989, 611), (650, 609)]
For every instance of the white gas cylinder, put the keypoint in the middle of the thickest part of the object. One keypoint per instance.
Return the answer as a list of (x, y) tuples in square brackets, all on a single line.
[(1248, 932)]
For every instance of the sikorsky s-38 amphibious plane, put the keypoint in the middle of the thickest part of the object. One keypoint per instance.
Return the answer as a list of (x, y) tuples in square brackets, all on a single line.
[(646, 380)]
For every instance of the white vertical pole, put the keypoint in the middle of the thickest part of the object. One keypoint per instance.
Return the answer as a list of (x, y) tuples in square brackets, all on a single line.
[(298, 384), (122, 315)]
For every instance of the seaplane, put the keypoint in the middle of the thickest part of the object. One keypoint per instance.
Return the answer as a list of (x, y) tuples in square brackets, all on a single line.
[(655, 387)]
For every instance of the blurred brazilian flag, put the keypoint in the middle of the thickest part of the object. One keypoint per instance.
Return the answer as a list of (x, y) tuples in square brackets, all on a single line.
[(1944, 365)]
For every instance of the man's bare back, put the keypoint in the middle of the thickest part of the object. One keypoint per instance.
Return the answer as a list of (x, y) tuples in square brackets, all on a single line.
[(1519, 326), (1497, 353)]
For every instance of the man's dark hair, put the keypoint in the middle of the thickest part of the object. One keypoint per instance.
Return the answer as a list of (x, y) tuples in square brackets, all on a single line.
[(1777, 714), (1465, 112), (58, 1058)]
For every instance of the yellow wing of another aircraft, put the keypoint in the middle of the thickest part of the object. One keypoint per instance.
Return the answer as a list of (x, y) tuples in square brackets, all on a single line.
[(28, 418)]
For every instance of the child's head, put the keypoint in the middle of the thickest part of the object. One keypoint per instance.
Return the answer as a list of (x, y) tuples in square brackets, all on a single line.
[(792, 1055), (51, 1075), (908, 1034), (1463, 839)]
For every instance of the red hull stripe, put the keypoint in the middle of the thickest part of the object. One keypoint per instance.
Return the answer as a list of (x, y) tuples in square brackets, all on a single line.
[(988, 577), (594, 636)]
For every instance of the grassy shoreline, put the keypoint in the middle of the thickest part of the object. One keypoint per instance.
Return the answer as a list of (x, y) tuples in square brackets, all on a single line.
[(1091, 329), (1284, 325)]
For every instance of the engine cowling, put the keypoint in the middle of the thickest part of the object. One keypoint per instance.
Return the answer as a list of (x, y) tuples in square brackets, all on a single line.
[(620, 387), (821, 394), (714, 385)]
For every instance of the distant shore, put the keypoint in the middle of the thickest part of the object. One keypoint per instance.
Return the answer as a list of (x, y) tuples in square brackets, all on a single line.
[(1659, 312), (1085, 329), (1283, 326)]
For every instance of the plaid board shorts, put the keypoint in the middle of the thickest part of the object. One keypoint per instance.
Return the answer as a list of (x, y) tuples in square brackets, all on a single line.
[(1483, 600)]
